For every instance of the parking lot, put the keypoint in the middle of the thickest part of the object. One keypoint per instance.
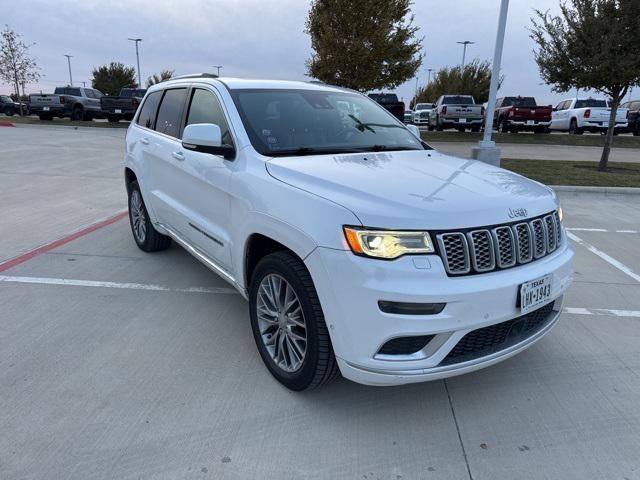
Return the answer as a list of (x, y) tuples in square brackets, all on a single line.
[(119, 364)]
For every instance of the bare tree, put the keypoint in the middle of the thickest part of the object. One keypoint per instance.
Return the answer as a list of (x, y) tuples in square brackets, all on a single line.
[(16, 66)]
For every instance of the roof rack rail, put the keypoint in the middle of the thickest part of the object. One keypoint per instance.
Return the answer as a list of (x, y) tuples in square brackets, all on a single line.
[(195, 75)]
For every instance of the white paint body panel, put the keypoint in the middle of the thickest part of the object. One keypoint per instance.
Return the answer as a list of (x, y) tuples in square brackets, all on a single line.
[(304, 202)]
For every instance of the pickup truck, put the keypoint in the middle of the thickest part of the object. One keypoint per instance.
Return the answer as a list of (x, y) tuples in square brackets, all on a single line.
[(78, 103), (123, 106), (515, 114), (577, 115), (391, 103), (633, 116), (456, 111), (421, 113)]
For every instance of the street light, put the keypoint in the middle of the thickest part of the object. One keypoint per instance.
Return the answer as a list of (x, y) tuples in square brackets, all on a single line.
[(218, 67), (464, 49), (69, 62), (429, 70), (138, 40), (486, 150)]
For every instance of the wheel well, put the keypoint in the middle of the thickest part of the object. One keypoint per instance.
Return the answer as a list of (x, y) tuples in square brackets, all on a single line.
[(129, 178), (259, 246)]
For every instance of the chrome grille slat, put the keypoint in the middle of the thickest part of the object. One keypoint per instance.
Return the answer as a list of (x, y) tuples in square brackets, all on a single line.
[(484, 250)]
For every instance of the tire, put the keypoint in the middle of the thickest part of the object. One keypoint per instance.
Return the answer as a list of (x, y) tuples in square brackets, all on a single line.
[(45, 116), (573, 128), (503, 126), (9, 112), (145, 235), (636, 129), (318, 363), (77, 114), (439, 126), (542, 130), (113, 118)]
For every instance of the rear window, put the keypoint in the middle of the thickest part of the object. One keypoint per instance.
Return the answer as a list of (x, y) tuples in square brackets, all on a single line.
[(67, 91), (458, 100), (131, 92), (170, 112), (147, 117), (591, 102), (519, 102)]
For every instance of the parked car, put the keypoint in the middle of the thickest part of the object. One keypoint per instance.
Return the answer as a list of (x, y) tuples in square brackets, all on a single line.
[(578, 115), (408, 116), (391, 103), (517, 114), (360, 249), (10, 107), (124, 106), (633, 116), (78, 103), (456, 111), (421, 113)]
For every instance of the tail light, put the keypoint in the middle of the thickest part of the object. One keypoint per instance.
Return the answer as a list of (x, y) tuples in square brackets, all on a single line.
[(587, 113), (135, 102), (62, 100), (444, 110)]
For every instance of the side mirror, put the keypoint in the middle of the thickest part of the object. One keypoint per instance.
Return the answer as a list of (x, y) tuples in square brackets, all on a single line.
[(206, 138), (415, 130)]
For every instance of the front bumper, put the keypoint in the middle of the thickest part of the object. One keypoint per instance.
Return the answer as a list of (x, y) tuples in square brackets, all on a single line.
[(349, 288)]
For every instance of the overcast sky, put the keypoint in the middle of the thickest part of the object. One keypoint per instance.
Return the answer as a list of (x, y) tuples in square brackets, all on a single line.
[(253, 38)]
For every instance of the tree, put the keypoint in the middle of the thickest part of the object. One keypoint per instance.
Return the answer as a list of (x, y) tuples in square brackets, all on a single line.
[(592, 44), (363, 44), (16, 66), (111, 78), (159, 77), (474, 80)]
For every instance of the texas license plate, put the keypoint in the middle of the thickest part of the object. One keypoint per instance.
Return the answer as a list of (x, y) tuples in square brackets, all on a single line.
[(535, 293), (462, 120), (118, 110), (46, 109)]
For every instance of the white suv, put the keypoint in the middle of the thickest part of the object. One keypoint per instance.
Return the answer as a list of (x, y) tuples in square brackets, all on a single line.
[(360, 249)]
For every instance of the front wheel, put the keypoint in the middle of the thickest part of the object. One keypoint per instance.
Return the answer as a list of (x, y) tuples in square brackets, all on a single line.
[(288, 324), (636, 129), (146, 236)]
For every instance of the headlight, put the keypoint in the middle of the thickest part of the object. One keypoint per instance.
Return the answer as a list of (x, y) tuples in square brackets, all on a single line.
[(386, 243)]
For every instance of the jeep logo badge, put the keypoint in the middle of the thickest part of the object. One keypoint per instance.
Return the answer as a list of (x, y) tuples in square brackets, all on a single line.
[(517, 212)]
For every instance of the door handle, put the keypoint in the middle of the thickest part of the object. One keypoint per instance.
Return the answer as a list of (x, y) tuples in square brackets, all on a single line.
[(144, 141), (178, 156)]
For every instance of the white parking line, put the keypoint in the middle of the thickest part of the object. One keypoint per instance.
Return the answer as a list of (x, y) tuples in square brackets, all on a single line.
[(602, 311), (131, 286), (579, 229), (607, 258)]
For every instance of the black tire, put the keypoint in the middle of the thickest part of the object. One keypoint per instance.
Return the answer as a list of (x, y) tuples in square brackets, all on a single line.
[(152, 240), (503, 126), (573, 128), (9, 112), (77, 114), (636, 129), (319, 364), (45, 116), (439, 126)]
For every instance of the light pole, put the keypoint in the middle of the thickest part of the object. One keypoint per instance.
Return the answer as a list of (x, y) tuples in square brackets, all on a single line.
[(69, 63), (218, 67), (429, 70), (138, 40), (464, 49), (486, 150)]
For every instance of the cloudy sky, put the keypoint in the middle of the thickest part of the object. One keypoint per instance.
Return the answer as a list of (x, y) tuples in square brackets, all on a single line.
[(253, 38)]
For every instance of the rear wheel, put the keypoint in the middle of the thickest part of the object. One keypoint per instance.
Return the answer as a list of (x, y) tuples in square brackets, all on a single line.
[(146, 236), (77, 114), (439, 127), (636, 129), (573, 128), (288, 324), (503, 127)]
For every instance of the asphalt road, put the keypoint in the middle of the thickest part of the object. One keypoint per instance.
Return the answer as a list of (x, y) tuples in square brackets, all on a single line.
[(116, 364)]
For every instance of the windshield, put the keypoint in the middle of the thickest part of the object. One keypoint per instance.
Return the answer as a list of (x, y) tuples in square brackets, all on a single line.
[(424, 106), (590, 103), (304, 122), (5, 98), (457, 100)]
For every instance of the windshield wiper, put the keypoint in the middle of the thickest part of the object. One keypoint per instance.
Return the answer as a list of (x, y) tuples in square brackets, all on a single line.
[(382, 148), (301, 151)]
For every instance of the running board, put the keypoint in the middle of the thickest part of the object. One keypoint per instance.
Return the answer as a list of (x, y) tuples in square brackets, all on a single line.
[(203, 258)]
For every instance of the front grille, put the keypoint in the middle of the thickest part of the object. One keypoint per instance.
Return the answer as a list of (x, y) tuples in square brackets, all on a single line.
[(504, 246), (424, 114), (405, 345), (485, 341)]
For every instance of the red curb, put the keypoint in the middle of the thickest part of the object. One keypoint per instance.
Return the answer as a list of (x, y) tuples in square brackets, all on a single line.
[(4, 123), (62, 241)]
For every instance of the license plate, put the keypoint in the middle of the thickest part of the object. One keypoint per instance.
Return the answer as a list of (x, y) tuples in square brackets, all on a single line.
[(118, 110), (535, 293), (462, 120), (530, 122), (46, 109)]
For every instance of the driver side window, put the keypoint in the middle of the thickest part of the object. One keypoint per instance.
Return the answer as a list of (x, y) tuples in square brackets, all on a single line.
[(205, 108)]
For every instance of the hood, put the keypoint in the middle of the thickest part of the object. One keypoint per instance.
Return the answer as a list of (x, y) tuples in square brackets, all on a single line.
[(421, 189)]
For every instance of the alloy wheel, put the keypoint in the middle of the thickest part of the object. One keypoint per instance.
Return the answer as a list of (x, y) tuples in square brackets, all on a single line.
[(138, 216), (281, 322)]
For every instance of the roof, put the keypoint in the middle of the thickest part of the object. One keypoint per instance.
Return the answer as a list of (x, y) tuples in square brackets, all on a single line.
[(247, 83)]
